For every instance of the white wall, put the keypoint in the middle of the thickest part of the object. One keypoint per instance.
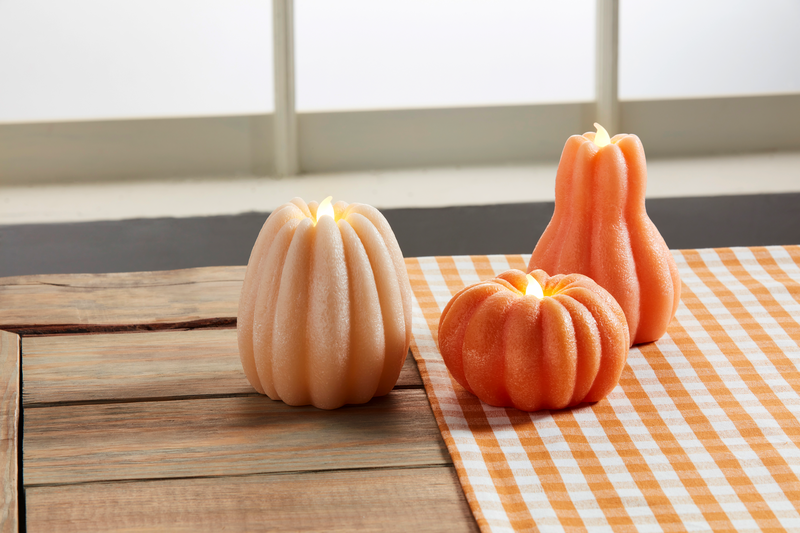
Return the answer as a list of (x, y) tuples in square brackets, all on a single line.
[(109, 59)]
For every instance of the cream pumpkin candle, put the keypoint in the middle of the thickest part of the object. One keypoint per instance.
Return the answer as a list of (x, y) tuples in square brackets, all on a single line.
[(600, 229), (325, 309), (534, 341)]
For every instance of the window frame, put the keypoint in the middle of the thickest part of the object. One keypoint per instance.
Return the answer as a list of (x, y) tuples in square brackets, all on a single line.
[(287, 143)]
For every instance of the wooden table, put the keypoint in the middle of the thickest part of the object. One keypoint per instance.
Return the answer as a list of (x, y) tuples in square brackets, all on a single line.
[(135, 414)]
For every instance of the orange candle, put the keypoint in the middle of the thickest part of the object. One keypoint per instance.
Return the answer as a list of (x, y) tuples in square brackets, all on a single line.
[(534, 341), (325, 310), (600, 229)]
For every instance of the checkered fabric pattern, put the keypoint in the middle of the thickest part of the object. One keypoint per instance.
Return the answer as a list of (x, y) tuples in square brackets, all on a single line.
[(702, 433)]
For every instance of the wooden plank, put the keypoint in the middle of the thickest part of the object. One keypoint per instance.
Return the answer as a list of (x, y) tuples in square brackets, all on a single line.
[(225, 436), (9, 427), (123, 301), (143, 365), (418, 499), (127, 366)]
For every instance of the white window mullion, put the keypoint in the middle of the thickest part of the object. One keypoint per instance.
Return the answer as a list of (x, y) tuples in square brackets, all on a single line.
[(608, 113), (285, 118)]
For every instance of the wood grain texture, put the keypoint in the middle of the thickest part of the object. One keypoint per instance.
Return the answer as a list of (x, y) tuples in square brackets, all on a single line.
[(160, 429), (123, 301), (142, 365), (225, 436), (9, 426), (410, 499)]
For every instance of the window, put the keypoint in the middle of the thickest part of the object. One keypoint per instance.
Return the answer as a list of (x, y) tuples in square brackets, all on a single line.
[(686, 49), (115, 88), (399, 54), (111, 59)]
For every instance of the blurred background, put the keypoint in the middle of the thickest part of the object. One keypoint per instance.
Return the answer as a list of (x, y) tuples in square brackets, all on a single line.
[(159, 134)]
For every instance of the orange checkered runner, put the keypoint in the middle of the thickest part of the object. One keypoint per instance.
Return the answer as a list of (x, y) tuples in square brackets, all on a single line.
[(702, 432)]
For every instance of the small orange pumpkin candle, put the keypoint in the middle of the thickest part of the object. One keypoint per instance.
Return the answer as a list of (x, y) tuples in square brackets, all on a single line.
[(534, 341), (325, 310), (600, 229)]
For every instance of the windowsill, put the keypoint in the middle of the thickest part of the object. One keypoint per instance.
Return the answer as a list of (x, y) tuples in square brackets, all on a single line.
[(81, 202)]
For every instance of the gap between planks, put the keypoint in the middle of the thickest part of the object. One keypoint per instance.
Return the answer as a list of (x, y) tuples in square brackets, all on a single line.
[(29, 330), (58, 332), (173, 398), (234, 476)]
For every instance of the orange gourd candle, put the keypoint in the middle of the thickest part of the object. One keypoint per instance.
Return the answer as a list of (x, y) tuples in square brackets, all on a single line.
[(325, 310), (534, 342), (600, 229)]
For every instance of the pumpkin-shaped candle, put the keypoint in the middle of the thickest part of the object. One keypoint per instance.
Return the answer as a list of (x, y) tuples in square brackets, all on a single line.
[(325, 310), (534, 341), (600, 229)]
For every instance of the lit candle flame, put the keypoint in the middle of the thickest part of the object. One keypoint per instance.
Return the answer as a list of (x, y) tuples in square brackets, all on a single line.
[(325, 208), (601, 138), (533, 288)]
